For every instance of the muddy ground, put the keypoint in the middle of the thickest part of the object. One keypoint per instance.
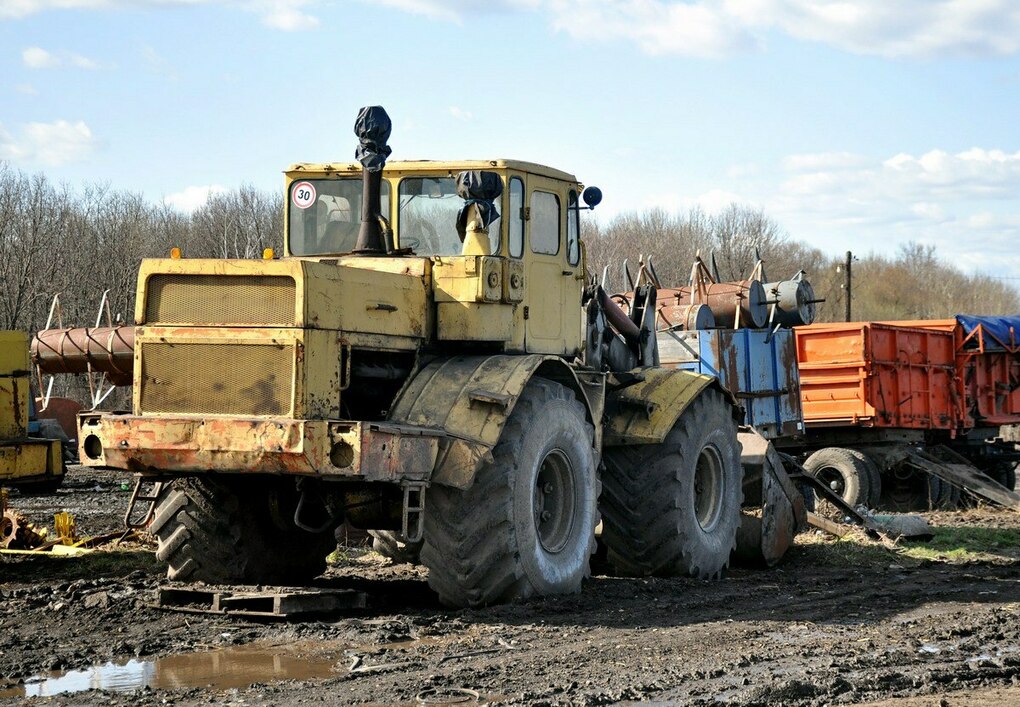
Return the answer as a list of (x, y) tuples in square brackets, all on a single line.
[(838, 623)]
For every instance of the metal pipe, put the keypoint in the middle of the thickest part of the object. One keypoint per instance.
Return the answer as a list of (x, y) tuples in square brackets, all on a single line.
[(620, 321), (107, 350)]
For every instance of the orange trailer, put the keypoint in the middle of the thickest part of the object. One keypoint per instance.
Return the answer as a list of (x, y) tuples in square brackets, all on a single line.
[(876, 395), (878, 375), (987, 368)]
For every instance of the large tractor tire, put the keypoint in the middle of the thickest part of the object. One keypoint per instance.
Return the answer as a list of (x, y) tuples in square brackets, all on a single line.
[(391, 544), (673, 508), (236, 530), (526, 526), (847, 472)]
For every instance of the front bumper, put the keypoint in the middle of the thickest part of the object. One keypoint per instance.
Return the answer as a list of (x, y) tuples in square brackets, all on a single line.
[(367, 451)]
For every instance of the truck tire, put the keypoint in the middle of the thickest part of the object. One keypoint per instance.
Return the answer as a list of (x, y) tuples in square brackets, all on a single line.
[(908, 491), (1004, 473), (874, 478), (949, 497), (526, 525), (236, 531), (673, 508), (845, 471), (391, 544)]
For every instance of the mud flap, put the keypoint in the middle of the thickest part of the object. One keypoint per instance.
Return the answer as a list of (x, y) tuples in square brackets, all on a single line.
[(774, 510)]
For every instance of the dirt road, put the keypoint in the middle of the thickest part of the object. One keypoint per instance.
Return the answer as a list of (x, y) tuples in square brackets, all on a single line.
[(837, 624)]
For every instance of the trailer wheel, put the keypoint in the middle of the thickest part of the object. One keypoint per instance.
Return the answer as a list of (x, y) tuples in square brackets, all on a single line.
[(874, 478), (674, 508), (392, 545), (949, 498), (1004, 473), (236, 530), (526, 526), (908, 490), (846, 471)]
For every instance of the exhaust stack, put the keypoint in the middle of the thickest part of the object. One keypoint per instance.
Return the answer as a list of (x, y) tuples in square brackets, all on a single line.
[(373, 130)]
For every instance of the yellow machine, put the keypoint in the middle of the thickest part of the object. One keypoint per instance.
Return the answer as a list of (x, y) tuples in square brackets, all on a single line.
[(429, 360), (26, 461)]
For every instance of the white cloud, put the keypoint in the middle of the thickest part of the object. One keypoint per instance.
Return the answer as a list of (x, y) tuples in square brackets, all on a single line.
[(712, 201), (27, 89), (193, 197), (82, 62), (712, 28), (39, 58), (287, 15), (48, 144), (457, 10), (964, 203), (823, 160), (460, 113)]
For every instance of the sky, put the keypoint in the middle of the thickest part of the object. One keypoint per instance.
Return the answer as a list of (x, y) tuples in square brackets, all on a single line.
[(855, 124)]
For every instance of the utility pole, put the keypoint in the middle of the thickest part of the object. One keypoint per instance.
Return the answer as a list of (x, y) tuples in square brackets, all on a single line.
[(848, 282)]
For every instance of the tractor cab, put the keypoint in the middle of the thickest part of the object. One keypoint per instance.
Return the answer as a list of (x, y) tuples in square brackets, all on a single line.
[(501, 237)]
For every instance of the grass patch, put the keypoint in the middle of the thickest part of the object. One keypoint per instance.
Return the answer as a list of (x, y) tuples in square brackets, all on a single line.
[(953, 544), (853, 550), (967, 544)]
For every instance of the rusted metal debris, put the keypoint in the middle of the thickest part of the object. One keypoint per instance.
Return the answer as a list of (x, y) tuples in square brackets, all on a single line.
[(279, 604), (17, 533)]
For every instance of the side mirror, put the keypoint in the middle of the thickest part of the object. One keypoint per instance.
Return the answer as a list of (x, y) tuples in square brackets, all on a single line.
[(592, 196)]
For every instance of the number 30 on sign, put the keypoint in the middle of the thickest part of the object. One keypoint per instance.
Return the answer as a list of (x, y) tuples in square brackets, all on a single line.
[(303, 195)]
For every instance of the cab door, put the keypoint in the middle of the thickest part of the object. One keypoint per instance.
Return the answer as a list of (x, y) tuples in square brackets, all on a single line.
[(553, 278)]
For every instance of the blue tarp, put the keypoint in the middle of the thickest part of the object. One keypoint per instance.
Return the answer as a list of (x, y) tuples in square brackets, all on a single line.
[(998, 331)]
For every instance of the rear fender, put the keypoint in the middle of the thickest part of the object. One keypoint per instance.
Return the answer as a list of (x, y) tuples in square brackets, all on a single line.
[(470, 398)]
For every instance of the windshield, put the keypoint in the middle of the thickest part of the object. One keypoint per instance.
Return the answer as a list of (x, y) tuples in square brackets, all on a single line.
[(325, 214), (428, 217)]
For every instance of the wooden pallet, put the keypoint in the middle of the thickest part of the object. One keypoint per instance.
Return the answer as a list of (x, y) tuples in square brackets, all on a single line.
[(269, 604)]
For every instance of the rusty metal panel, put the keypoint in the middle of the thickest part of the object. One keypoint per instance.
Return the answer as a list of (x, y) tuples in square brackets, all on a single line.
[(877, 375), (13, 353), (992, 384), (371, 451), (230, 378), (758, 367), (14, 394), (259, 300)]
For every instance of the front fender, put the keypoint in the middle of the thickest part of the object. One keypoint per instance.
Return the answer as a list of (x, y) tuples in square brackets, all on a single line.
[(645, 412)]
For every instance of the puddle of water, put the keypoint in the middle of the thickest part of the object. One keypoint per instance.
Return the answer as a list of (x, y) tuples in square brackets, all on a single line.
[(224, 669)]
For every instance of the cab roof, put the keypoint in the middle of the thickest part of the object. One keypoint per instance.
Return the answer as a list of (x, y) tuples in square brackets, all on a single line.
[(435, 166)]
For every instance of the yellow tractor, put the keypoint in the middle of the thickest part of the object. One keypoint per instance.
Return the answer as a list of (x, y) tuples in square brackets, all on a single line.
[(429, 360)]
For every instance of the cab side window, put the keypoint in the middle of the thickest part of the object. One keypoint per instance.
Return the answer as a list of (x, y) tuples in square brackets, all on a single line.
[(515, 217), (545, 223), (573, 229)]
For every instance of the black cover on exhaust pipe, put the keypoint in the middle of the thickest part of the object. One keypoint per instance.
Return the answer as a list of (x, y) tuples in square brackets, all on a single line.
[(373, 130)]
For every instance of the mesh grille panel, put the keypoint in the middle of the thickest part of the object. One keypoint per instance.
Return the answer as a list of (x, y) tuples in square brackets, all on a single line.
[(220, 299), (218, 379)]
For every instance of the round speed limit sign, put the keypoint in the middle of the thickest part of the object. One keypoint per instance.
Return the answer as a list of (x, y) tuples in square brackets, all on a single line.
[(303, 195)]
